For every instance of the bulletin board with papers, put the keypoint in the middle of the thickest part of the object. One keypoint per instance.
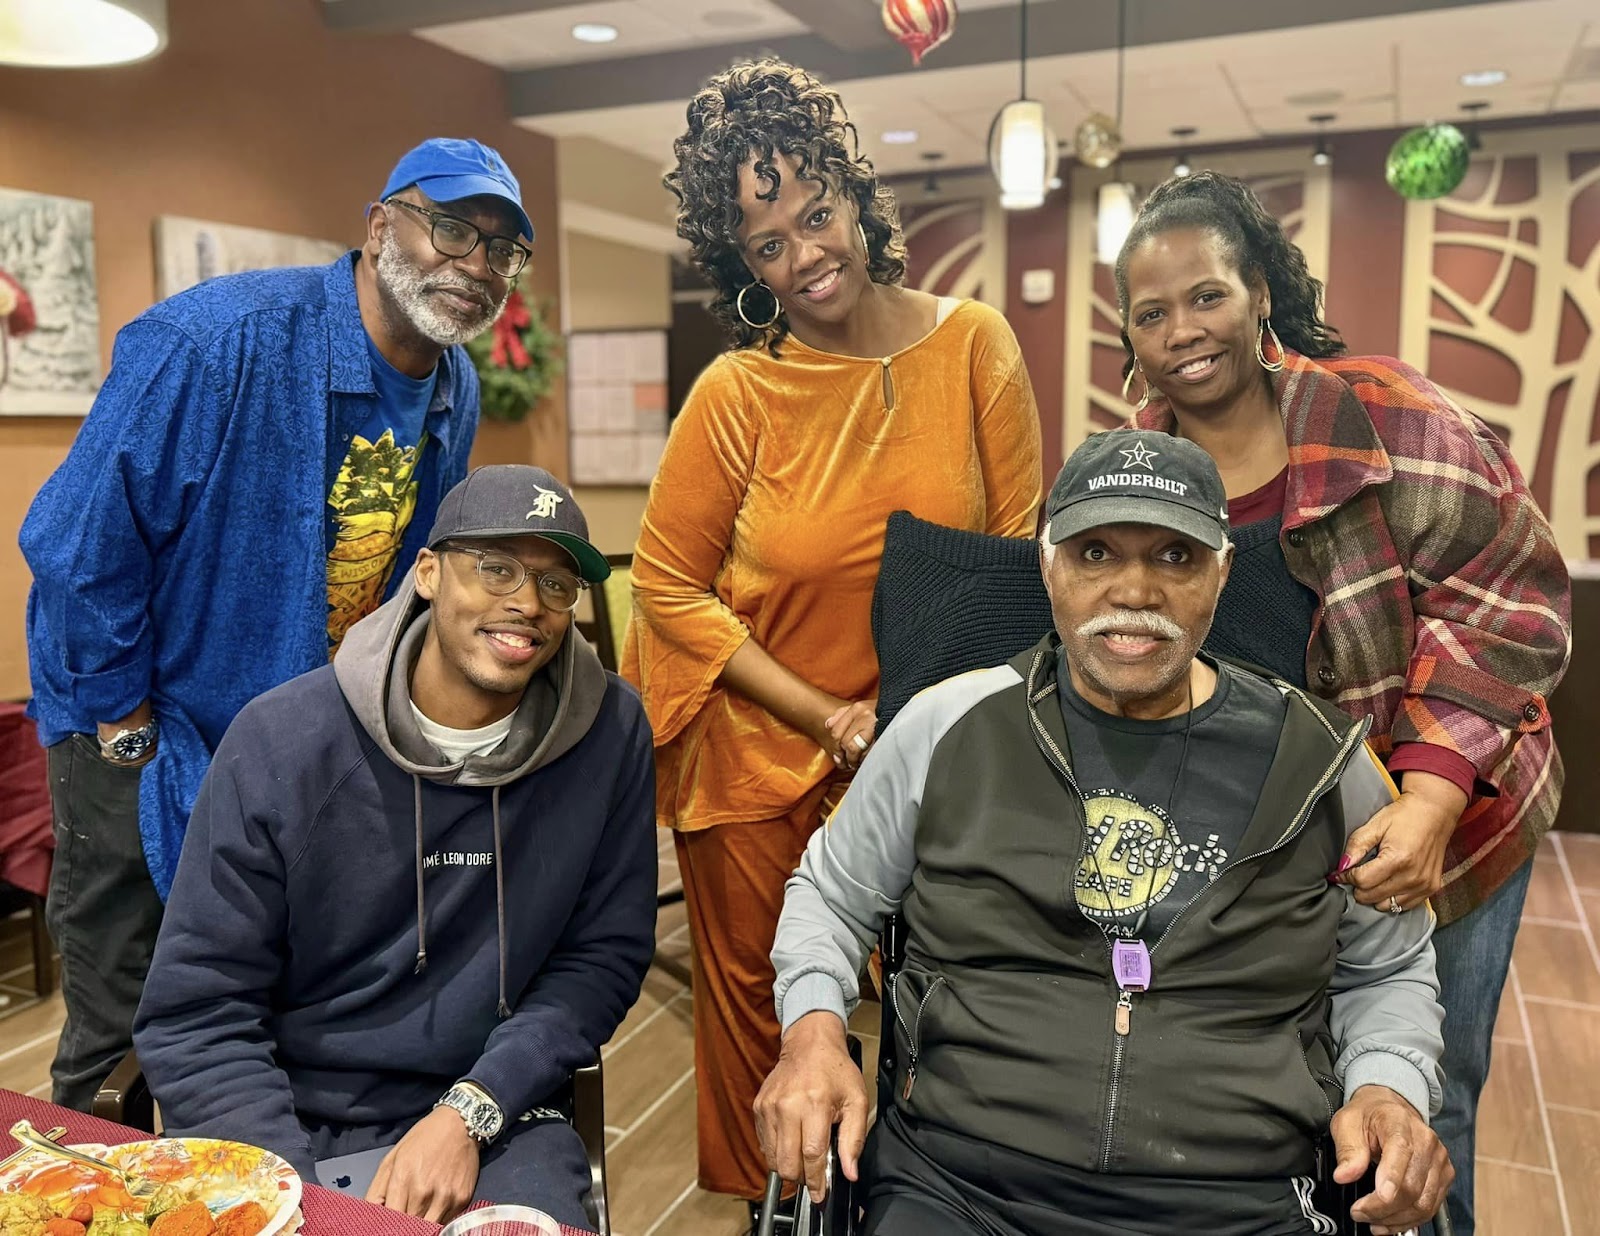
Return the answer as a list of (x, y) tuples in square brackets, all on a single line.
[(617, 405)]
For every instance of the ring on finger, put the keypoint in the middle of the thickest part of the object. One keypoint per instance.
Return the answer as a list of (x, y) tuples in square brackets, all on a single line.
[(861, 742), (1395, 907)]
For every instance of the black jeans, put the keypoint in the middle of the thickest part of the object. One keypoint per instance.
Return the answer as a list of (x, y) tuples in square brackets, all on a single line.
[(103, 914)]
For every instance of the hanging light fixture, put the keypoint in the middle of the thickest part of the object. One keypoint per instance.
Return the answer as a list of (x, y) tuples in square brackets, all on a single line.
[(1022, 146), (1115, 208), (1180, 165), (1099, 138), (1322, 153), (1474, 135), (60, 34), (1116, 202)]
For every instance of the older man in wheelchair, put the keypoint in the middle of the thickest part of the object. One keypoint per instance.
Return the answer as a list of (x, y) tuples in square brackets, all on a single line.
[(1132, 999)]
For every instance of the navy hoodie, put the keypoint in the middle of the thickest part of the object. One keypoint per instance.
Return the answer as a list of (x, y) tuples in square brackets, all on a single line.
[(357, 923)]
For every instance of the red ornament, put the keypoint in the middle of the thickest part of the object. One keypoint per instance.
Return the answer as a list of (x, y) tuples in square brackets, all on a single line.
[(508, 351), (919, 25)]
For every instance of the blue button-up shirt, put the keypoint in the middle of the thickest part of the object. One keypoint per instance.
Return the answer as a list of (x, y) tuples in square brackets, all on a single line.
[(179, 553)]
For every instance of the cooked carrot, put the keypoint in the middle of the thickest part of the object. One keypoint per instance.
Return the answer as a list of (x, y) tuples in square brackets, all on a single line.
[(82, 1212), (64, 1227)]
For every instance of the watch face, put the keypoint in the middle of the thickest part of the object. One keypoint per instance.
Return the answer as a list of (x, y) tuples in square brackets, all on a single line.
[(130, 745)]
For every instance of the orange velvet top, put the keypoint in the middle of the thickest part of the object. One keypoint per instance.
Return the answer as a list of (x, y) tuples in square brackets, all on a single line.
[(766, 522)]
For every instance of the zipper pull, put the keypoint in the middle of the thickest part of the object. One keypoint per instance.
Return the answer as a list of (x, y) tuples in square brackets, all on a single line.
[(911, 1080), (1124, 1016)]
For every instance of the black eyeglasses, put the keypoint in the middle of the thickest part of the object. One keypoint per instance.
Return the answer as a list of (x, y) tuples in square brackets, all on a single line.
[(501, 575), (456, 238)]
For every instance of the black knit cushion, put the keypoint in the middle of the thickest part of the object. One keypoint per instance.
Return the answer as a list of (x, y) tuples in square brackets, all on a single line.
[(949, 601)]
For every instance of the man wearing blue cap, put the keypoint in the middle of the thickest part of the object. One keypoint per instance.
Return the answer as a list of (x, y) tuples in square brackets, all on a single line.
[(265, 448)]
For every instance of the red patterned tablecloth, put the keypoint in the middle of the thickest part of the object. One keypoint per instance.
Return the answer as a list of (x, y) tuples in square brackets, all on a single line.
[(327, 1213)]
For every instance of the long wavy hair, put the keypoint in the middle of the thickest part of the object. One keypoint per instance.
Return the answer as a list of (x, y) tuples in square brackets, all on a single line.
[(762, 109), (1254, 242)]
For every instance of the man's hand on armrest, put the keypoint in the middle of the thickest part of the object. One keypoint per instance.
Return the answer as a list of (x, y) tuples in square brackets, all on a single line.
[(814, 1086), (1414, 1171)]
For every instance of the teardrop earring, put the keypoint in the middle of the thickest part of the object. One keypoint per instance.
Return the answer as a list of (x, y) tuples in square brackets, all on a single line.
[(1127, 385)]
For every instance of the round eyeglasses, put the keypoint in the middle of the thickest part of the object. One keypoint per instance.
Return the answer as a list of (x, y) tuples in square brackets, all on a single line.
[(501, 575), (456, 238)]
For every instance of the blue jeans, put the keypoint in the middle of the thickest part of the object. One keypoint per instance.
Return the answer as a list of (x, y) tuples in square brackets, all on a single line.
[(1474, 954)]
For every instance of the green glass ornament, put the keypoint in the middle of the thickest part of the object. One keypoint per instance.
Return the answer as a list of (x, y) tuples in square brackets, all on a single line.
[(1427, 162)]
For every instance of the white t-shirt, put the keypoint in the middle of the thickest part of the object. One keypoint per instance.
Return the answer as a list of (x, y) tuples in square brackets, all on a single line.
[(456, 745)]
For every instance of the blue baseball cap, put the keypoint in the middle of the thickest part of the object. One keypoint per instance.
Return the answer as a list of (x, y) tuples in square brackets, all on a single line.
[(448, 169)]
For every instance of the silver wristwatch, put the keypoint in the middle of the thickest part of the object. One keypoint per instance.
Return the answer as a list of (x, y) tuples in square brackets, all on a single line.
[(480, 1113), (130, 746)]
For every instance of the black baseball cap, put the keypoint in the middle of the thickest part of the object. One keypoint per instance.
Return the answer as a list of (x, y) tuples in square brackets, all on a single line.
[(1139, 476), (518, 500)]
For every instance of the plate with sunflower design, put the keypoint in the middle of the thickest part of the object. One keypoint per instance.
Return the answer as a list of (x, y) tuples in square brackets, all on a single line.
[(223, 1175)]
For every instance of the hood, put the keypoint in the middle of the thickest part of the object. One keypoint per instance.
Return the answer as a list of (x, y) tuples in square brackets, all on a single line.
[(373, 669)]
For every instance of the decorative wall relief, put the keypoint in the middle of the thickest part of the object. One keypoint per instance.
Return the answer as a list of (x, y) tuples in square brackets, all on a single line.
[(1501, 308), (49, 305), (957, 248)]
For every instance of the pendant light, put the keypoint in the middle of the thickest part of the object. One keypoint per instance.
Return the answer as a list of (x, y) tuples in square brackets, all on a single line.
[(1181, 165), (61, 34), (1022, 146), (1322, 154), (1116, 203)]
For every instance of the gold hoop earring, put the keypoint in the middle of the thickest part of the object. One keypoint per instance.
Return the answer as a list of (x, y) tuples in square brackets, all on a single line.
[(777, 309), (865, 247), (1127, 384), (1277, 346)]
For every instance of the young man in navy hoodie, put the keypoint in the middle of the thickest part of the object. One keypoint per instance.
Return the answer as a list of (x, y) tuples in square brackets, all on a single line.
[(418, 887)]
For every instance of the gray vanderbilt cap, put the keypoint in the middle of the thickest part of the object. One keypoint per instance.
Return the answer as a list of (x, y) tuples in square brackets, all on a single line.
[(518, 500), (1139, 476)]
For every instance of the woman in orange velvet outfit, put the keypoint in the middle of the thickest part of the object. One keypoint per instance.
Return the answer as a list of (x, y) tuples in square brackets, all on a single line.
[(845, 397)]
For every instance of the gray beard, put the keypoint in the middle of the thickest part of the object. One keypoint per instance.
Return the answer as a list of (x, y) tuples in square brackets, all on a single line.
[(409, 291)]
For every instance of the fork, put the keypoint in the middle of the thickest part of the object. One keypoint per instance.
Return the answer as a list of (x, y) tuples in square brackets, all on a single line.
[(30, 1137)]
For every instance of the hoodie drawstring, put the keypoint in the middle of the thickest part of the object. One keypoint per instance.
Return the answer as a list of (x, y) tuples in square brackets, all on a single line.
[(500, 900), (422, 932), (503, 1010)]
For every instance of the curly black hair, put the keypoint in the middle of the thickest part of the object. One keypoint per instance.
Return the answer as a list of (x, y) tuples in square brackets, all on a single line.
[(1253, 240), (762, 108)]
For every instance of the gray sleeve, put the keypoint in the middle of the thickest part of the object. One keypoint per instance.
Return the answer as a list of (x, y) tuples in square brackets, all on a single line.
[(1385, 1017), (856, 869)]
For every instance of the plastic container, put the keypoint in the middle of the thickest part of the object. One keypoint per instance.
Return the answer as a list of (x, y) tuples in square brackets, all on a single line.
[(504, 1221)]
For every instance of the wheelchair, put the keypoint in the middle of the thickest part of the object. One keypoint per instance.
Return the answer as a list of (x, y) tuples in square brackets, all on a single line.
[(840, 1211)]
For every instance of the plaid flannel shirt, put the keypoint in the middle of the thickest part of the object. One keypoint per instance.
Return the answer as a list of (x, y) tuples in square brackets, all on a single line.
[(1446, 608)]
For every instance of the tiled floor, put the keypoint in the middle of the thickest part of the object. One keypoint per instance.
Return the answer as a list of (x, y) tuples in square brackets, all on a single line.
[(1539, 1128)]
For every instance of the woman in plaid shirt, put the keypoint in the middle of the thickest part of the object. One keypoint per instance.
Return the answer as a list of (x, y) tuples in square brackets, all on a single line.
[(1389, 556)]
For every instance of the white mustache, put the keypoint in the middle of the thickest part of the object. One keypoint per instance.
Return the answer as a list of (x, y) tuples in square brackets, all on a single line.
[(1138, 621), (471, 286)]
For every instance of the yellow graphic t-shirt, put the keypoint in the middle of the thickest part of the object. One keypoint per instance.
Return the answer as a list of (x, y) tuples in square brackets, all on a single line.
[(373, 499)]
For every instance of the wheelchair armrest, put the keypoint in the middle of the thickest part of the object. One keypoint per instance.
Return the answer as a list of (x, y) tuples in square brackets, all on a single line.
[(589, 1121), (124, 1097)]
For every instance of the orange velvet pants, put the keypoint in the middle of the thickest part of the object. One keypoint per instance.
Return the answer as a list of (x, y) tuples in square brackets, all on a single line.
[(733, 878)]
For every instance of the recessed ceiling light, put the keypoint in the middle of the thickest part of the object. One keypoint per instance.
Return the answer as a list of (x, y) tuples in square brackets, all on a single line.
[(1484, 77), (900, 137), (594, 32)]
